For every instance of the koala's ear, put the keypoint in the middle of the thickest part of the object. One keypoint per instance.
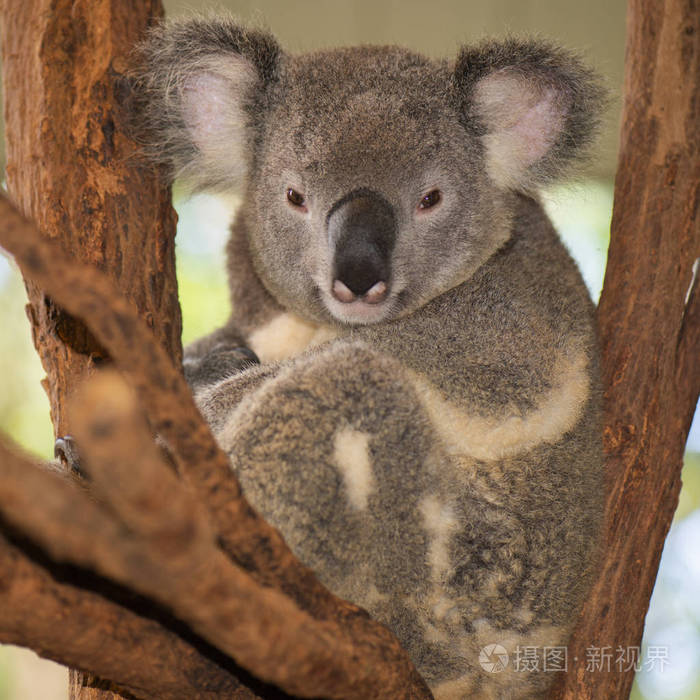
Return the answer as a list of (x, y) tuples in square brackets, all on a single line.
[(197, 97), (535, 107)]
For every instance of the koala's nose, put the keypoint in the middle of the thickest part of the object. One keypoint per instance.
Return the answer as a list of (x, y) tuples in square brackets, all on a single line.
[(362, 233), (361, 269)]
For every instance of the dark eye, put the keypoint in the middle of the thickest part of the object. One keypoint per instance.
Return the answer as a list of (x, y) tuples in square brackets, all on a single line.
[(295, 198), (430, 200)]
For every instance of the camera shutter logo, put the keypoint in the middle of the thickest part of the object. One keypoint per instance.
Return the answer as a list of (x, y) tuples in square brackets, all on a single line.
[(493, 658)]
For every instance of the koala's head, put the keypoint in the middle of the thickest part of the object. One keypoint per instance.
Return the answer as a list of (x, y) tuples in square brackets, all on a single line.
[(373, 179)]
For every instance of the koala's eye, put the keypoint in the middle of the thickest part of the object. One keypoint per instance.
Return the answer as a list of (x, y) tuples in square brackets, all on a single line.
[(296, 199), (430, 200)]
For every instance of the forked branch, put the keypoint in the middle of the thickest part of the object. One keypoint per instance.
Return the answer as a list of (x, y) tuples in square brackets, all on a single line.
[(157, 539)]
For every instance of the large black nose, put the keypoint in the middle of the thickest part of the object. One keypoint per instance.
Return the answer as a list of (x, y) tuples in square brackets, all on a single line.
[(362, 233)]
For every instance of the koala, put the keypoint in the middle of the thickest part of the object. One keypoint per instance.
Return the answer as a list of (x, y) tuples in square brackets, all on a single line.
[(424, 421)]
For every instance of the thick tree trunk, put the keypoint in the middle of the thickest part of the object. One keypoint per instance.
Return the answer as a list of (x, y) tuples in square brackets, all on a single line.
[(70, 169), (649, 318)]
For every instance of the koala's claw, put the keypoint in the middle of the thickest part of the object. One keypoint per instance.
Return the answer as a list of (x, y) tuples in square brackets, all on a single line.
[(252, 357), (219, 363), (65, 450)]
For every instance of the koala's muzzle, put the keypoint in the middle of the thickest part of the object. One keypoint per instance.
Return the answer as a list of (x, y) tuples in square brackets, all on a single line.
[(362, 233)]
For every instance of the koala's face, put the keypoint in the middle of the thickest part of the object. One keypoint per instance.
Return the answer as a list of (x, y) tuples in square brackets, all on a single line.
[(369, 196), (374, 179)]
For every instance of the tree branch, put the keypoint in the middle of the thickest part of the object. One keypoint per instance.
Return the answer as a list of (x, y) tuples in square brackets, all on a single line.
[(649, 317), (166, 399), (70, 625), (347, 656)]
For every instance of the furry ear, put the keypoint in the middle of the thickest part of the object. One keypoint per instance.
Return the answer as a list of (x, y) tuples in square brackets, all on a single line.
[(535, 107), (197, 97)]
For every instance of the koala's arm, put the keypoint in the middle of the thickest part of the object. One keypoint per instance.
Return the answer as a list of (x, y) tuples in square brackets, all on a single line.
[(217, 360)]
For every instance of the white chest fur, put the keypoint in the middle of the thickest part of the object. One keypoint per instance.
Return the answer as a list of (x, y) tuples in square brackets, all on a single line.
[(287, 335)]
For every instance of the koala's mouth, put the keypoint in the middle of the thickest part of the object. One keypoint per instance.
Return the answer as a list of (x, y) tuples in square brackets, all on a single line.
[(372, 307), (358, 312)]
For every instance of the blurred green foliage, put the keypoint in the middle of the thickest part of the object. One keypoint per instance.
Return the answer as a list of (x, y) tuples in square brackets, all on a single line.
[(689, 499), (204, 297), (24, 407)]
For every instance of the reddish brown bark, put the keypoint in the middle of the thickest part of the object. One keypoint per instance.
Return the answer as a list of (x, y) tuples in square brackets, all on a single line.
[(649, 319), (155, 538), (69, 168), (70, 624)]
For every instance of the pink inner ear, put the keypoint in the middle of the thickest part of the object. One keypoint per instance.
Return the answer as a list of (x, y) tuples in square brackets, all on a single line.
[(523, 118), (537, 127), (204, 107), (212, 100)]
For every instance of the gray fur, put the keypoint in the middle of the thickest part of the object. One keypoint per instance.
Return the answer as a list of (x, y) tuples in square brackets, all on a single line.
[(435, 457)]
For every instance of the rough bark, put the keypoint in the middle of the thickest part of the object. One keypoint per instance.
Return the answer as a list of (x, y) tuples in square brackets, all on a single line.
[(649, 317), (156, 539), (70, 169), (69, 623)]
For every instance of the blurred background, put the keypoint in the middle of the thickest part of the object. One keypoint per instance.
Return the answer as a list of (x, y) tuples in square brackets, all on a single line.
[(669, 659)]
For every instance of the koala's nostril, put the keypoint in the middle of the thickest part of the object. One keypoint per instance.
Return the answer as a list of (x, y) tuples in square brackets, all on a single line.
[(342, 293), (376, 293)]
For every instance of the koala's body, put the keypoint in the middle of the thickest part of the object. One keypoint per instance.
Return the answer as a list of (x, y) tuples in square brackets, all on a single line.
[(423, 427)]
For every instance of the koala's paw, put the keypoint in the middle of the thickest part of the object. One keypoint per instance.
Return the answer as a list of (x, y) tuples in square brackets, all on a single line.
[(66, 452), (219, 363)]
